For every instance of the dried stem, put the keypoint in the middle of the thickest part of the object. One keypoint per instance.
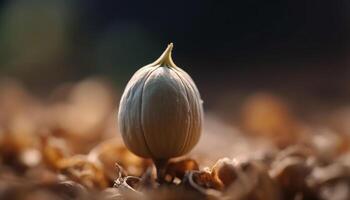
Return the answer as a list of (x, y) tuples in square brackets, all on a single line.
[(161, 165)]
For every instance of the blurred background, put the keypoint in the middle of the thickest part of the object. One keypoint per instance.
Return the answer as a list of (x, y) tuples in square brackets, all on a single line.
[(292, 48), (297, 51)]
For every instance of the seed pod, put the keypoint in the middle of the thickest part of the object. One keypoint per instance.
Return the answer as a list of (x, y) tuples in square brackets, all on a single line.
[(160, 112)]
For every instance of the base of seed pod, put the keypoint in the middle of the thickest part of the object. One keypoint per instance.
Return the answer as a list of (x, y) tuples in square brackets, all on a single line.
[(161, 165)]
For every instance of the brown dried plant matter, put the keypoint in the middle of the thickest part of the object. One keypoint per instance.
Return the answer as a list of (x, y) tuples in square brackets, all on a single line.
[(44, 156)]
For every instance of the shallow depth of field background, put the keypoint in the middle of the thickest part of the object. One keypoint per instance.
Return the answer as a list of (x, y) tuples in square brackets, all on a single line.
[(294, 51), (229, 48)]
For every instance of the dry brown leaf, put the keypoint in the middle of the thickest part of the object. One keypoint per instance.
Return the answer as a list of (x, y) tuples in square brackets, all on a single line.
[(178, 169), (79, 169), (113, 151)]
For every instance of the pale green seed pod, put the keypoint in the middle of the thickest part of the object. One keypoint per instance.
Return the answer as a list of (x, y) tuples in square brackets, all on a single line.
[(160, 112)]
